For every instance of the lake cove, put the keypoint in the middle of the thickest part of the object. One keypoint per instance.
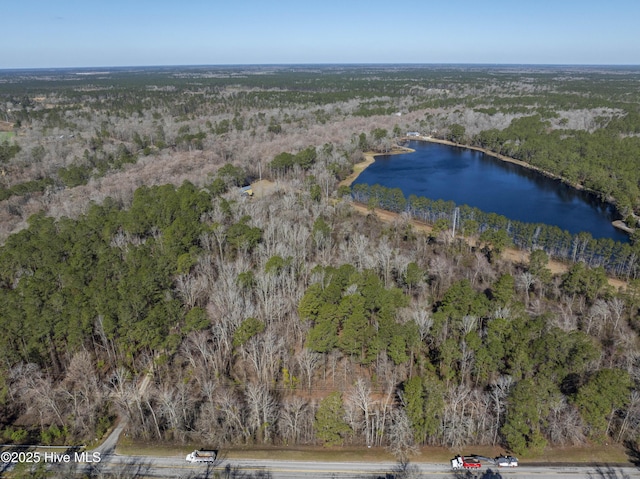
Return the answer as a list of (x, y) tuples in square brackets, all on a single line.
[(470, 177)]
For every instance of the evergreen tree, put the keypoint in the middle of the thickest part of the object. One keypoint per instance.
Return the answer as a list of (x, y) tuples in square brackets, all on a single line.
[(604, 393), (329, 424)]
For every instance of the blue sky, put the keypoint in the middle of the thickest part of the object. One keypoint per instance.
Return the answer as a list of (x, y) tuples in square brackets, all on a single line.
[(86, 33)]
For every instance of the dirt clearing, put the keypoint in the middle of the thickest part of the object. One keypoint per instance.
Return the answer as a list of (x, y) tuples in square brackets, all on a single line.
[(510, 254)]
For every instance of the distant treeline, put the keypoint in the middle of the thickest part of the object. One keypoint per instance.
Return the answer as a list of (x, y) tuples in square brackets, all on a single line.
[(617, 258)]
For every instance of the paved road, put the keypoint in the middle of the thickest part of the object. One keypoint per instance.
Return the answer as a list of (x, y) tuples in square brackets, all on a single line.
[(177, 467), (131, 466)]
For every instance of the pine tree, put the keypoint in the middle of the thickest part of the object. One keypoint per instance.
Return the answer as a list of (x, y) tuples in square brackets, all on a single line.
[(329, 423)]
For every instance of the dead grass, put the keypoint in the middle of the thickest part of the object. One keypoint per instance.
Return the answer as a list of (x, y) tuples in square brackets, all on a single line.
[(314, 453), (604, 454), (263, 188)]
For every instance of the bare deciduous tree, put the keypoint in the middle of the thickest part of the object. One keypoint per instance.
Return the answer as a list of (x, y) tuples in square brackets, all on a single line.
[(359, 398), (308, 361), (498, 392), (294, 418), (192, 288), (401, 442), (263, 411)]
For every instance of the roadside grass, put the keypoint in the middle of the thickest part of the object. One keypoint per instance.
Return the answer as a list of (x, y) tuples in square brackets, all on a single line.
[(595, 454), (316, 454), (293, 453), (152, 448)]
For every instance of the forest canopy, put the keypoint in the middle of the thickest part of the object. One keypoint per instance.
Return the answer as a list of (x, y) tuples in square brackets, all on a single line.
[(129, 251)]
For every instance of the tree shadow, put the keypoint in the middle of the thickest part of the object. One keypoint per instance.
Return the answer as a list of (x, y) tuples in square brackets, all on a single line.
[(133, 468), (491, 474), (221, 457), (478, 474), (607, 472), (236, 472), (402, 470), (7, 466), (633, 453), (406, 470)]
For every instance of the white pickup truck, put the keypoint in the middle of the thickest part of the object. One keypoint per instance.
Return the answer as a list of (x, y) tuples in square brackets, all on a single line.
[(506, 461), (202, 456)]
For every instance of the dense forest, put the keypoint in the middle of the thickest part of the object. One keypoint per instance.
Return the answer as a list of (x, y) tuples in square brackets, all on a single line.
[(287, 317)]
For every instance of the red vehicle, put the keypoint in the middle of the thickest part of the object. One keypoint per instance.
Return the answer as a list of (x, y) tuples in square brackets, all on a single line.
[(461, 462)]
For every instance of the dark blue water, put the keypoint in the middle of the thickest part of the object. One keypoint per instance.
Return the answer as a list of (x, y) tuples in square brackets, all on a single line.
[(473, 178)]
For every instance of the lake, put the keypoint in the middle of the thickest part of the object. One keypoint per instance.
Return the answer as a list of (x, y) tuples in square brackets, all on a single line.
[(471, 177)]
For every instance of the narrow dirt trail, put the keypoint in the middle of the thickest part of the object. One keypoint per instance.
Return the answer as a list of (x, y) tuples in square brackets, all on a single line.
[(108, 446), (510, 254)]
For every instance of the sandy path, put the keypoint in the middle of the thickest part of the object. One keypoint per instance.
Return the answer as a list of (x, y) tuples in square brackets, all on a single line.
[(510, 254), (108, 446), (357, 169), (369, 158)]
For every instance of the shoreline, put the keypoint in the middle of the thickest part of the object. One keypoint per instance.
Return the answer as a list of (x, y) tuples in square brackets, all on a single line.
[(370, 158), (510, 254)]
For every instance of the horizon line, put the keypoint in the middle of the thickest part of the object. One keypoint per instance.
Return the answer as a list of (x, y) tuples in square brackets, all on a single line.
[(318, 64)]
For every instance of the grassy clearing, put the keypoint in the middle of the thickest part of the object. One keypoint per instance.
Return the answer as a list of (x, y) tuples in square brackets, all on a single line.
[(6, 135), (263, 188)]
